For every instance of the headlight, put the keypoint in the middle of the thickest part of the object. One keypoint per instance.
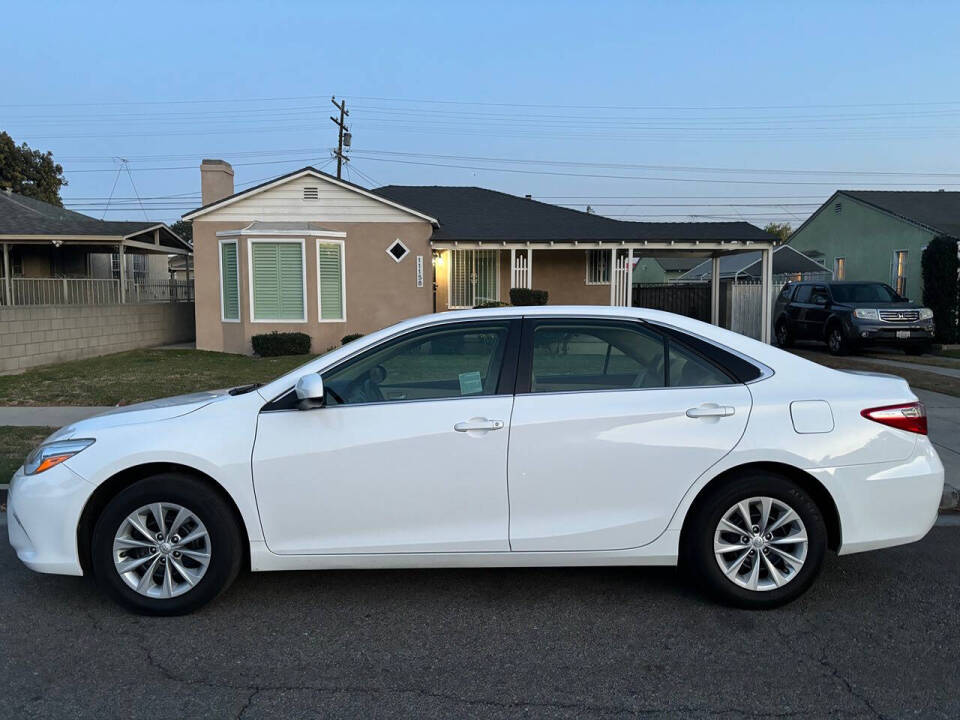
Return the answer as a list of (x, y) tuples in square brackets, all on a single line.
[(866, 314), (926, 314), (48, 456)]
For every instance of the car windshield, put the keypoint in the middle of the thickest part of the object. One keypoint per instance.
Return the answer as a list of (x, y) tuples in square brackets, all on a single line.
[(864, 292)]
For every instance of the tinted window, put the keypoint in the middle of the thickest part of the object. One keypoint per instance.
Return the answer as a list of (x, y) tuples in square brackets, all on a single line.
[(457, 361), (786, 293), (594, 356), (864, 292), (690, 370), (819, 296), (803, 294)]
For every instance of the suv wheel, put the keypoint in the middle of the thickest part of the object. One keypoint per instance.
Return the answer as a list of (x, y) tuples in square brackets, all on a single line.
[(837, 341), (166, 545), (784, 338), (757, 542)]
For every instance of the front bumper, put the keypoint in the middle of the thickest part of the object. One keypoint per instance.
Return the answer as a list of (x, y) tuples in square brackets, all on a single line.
[(890, 333), (886, 504), (43, 512)]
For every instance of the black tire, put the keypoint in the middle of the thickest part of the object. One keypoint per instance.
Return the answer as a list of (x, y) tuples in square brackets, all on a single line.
[(226, 550), (837, 342), (784, 336), (697, 551)]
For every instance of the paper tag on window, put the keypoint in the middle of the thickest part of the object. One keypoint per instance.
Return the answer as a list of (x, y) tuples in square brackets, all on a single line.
[(470, 383)]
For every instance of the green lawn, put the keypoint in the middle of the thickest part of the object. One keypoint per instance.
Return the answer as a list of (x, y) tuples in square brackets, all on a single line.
[(139, 375), (916, 378), (15, 443)]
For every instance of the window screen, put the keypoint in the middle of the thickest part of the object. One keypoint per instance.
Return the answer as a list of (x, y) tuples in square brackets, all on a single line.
[(277, 281), (229, 286), (330, 280)]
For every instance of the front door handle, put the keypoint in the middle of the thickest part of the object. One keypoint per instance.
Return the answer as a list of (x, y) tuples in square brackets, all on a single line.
[(478, 424), (706, 411)]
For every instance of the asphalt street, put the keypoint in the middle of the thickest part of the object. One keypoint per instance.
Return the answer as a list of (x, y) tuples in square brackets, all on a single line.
[(877, 636)]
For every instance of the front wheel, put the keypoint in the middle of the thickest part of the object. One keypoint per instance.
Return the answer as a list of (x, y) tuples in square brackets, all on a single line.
[(784, 338), (756, 543), (166, 545), (837, 341)]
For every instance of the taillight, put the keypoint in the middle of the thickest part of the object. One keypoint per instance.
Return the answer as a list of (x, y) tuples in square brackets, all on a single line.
[(911, 417)]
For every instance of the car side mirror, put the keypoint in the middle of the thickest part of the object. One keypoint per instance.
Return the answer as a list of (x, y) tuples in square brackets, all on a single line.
[(310, 393)]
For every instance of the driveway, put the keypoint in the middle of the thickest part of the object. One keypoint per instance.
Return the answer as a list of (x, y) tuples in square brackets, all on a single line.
[(876, 637)]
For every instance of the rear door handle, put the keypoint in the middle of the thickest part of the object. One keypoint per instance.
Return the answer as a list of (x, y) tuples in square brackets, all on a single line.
[(715, 411), (478, 424)]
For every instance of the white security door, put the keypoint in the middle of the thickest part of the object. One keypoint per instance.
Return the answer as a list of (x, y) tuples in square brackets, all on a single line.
[(618, 423), (474, 277), (408, 455)]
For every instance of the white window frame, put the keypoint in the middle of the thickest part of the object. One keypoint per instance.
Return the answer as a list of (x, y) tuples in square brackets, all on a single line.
[(343, 280), (894, 267), (406, 250), (604, 252), (303, 268), (837, 262), (223, 317)]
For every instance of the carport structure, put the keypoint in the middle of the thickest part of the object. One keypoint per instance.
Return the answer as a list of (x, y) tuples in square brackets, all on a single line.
[(485, 240)]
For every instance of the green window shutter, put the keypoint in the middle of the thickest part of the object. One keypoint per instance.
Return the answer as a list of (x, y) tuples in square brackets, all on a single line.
[(330, 264), (277, 281), (228, 281)]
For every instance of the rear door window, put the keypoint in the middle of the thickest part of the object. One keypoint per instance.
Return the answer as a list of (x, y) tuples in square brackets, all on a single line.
[(803, 294)]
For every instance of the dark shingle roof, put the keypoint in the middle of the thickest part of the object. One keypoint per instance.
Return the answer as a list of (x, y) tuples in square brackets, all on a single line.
[(472, 213), (936, 209), (25, 216)]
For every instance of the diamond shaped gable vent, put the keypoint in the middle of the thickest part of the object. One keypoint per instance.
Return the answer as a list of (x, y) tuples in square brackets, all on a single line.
[(311, 193), (398, 251)]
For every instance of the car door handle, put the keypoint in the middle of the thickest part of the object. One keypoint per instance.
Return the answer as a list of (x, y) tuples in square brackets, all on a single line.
[(715, 411), (478, 424)]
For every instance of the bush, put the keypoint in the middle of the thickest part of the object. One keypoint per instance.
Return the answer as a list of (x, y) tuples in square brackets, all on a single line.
[(278, 343), (350, 338), (525, 296), (490, 304), (940, 287)]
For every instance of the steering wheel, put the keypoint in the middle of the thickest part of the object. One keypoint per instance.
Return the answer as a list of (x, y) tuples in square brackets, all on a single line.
[(366, 388)]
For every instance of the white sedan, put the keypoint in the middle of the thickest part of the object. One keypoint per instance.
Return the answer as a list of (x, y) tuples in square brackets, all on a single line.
[(491, 438)]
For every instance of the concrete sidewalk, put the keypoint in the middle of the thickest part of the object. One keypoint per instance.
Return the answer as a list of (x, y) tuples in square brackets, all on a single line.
[(935, 369), (47, 416)]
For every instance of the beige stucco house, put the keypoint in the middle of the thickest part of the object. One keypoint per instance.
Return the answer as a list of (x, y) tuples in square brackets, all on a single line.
[(312, 253)]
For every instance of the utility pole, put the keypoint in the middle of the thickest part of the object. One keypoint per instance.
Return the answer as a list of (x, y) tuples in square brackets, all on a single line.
[(344, 132)]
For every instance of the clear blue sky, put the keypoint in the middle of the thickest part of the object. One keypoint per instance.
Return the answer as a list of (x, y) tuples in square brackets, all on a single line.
[(578, 90)]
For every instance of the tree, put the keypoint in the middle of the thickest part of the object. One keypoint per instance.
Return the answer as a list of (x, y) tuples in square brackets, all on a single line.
[(29, 172), (781, 230), (183, 228), (940, 287)]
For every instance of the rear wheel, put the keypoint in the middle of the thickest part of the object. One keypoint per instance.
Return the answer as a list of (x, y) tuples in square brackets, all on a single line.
[(757, 542), (837, 341), (166, 545)]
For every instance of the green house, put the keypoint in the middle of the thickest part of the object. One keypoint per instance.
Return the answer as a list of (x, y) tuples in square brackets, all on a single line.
[(879, 235)]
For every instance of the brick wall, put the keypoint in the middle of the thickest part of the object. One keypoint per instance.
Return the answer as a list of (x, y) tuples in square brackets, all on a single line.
[(42, 335)]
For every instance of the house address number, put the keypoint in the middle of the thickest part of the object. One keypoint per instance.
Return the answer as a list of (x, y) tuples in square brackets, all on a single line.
[(419, 271)]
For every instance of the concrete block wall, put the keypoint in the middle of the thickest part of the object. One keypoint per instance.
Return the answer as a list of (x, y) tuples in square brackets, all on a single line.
[(40, 335)]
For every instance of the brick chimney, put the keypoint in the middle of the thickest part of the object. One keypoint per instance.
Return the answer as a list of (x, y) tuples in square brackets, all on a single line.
[(216, 180)]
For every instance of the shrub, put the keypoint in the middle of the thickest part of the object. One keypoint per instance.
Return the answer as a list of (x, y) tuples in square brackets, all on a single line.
[(278, 343), (940, 287), (490, 304), (350, 338), (526, 296)]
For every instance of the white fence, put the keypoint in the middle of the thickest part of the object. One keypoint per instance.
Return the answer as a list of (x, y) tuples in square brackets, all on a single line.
[(622, 282), (91, 291)]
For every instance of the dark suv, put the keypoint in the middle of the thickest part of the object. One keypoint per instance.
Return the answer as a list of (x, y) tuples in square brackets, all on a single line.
[(848, 315)]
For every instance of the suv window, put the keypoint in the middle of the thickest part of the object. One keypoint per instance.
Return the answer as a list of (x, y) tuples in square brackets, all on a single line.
[(786, 293), (864, 292), (440, 362), (803, 294), (820, 296)]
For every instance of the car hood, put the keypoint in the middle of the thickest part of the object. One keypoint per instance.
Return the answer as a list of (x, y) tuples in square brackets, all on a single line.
[(145, 412), (883, 305)]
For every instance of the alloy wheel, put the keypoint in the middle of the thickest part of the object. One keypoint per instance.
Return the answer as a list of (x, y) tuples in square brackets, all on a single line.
[(760, 544), (161, 550)]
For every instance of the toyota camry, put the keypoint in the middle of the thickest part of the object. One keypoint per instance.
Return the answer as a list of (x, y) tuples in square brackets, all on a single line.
[(507, 437)]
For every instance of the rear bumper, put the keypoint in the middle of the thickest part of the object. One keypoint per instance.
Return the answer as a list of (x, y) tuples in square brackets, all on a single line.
[(886, 504), (42, 516)]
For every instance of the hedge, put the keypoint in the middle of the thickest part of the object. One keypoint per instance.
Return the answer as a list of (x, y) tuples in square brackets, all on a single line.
[(526, 296), (278, 343), (350, 338), (940, 287)]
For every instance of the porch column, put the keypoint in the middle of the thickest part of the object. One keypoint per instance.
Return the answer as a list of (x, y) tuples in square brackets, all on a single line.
[(613, 277), (630, 277), (766, 291), (513, 268), (529, 267), (715, 290), (6, 274), (123, 274)]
